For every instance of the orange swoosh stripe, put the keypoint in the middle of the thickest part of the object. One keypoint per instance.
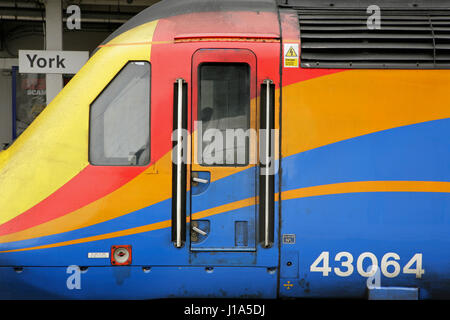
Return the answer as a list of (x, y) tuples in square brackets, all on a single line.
[(154, 226), (342, 106), (225, 208), (338, 188), (367, 186), (127, 232)]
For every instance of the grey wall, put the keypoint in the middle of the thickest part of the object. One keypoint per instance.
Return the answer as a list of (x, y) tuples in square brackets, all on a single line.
[(72, 41)]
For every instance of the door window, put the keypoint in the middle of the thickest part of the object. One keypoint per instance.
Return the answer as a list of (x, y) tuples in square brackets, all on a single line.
[(224, 114)]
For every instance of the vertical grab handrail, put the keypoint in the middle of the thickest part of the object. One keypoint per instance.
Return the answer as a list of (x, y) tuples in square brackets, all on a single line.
[(179, 159), (267, 178), (266, 193), (179, 167)]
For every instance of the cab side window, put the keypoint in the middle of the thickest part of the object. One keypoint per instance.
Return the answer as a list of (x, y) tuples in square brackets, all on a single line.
[(120, 119)]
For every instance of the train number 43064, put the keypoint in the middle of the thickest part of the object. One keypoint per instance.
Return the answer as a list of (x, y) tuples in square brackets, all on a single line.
[(390, 267)]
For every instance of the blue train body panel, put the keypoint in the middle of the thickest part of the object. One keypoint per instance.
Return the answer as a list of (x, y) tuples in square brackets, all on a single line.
[(404, 223), (133, 282)]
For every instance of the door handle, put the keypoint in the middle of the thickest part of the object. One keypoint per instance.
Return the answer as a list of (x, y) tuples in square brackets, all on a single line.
[(203, 233), (196, 179), (200, 230), (199, 180)]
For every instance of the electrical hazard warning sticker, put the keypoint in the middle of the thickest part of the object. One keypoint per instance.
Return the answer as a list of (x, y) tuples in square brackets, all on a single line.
[(291, 55)]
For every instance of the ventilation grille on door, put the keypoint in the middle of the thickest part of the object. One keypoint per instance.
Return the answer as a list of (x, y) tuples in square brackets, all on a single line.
[(408, 39)]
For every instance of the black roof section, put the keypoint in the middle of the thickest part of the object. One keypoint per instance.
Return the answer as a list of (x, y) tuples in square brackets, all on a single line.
[(363, 4), (340, 34)]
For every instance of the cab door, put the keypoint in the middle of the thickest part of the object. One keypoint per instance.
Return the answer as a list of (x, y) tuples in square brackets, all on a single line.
[(224, 162)]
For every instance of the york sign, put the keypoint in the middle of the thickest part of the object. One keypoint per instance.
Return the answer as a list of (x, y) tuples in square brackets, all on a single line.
[(40, 61)]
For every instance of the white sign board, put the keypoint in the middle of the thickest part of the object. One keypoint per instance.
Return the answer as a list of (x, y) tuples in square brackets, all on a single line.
[(44, 61)]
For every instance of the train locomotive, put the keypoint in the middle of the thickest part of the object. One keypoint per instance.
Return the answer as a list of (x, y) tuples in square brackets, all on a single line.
[(241, 149)]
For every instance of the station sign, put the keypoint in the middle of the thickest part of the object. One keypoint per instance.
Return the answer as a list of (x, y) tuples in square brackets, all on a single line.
[(45, 61)]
